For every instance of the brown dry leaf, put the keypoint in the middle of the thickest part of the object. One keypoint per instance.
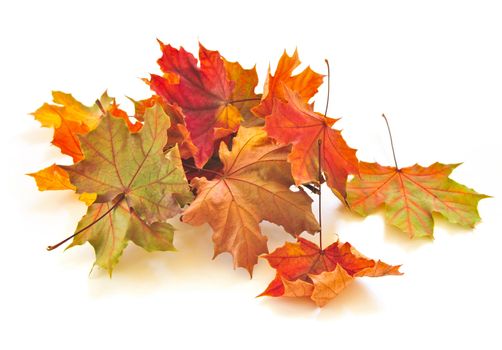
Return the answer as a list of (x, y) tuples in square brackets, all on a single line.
[(253, 186)]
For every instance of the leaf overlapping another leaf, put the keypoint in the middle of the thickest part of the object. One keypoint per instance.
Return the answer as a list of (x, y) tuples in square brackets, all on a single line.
[(206, 94), (305, 270), (131, 171), (292, 121), (253, 186)]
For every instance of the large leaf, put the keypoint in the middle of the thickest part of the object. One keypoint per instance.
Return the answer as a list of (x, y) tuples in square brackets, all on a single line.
[(118, 162), (410, 196), (253, 186), (134, 180), (211, 98)]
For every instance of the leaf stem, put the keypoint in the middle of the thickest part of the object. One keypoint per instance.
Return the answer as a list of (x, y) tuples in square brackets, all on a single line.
[(120, 199), (319, 154), (319, 142), (391, 141), (327, 99)]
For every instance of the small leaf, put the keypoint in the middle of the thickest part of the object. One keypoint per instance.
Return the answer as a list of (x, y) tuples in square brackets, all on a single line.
[(304, 270)]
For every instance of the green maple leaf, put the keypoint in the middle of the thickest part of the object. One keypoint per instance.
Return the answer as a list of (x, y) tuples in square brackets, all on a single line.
[(138, 187)]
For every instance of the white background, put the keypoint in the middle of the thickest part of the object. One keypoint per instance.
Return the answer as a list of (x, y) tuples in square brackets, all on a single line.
[(435, 69)]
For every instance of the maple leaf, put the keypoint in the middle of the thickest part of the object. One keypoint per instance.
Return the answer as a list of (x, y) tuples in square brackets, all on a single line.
[(305, 84), (292, 121), (253, 186), (137, 186), (118, 162), (305, 270), (410, 196), (207, 94)]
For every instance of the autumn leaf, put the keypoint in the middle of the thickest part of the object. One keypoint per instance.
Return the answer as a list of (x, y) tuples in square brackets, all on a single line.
[(137, 185), (305, 270), (411, 195), (253, 186), (305, 84), (292, 121), (209, 95), (118, 162)]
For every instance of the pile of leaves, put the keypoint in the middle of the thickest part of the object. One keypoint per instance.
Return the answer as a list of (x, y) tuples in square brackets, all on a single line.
[(205, 145)]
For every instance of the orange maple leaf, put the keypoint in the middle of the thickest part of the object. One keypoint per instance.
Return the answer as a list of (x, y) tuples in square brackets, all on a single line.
[(292, 121), (305, 270)]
